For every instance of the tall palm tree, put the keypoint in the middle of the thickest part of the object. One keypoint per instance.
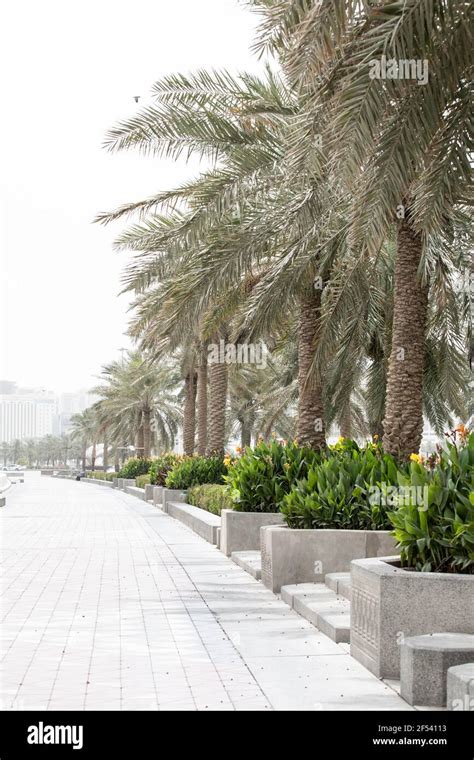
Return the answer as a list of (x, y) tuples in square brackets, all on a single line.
[(83, 429), (400, 147), (138, 399)]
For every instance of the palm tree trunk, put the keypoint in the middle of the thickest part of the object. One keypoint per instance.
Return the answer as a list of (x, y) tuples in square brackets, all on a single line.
[(245, 434), (218, 382), (116, 459), (105, 454), (311, 431), (146, 433), (189, 421), (93, 454), (403, 423), (84, 455), (139, 440), (202, 401)]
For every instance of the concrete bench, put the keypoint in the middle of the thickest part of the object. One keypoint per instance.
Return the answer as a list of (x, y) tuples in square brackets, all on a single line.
[(205, 524), (172, 494), (460, 687), (424, 664), (98, 482), (135, 491)]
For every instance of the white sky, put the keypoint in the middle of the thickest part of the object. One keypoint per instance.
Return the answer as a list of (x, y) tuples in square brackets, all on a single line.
[(69, 72)]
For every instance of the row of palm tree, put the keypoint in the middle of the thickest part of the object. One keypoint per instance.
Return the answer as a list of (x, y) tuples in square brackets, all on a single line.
[(51, 450), (331, 222)]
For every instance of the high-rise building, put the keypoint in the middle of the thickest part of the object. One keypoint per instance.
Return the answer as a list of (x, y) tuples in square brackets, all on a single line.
[(28, 415)]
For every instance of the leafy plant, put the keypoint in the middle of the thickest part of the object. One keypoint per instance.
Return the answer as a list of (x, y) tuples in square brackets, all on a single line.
[(143, 480), (438, 534), (162, 465), (337, 491), (195, 471), (213, 498), (134, 467), (263, 475)]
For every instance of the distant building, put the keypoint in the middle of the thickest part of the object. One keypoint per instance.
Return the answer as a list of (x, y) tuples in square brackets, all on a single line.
[(28, 415)]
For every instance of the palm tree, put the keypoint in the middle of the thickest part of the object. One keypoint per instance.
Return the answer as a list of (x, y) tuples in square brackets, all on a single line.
[(401, 149), (139, 402), (83, 427)]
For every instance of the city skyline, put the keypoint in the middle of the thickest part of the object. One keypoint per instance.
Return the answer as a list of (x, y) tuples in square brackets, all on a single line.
[(33, 413)]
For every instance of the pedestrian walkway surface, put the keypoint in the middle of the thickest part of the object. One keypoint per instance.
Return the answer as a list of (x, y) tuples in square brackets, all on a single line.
[(109, 604)]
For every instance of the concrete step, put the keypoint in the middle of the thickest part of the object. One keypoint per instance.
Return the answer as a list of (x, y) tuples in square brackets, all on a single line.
[(250, 561), (322, 607), (340, 583)]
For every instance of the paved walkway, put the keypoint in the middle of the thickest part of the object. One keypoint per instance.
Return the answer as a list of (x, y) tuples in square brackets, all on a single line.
[(108, 603)]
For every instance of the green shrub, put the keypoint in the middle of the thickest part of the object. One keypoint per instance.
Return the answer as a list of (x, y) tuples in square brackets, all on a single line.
[(99, 475), (143, 480), (338, 490), (436, 533), (196, 471), (211, 497), (134, 467), (162, 465), (263, 475)]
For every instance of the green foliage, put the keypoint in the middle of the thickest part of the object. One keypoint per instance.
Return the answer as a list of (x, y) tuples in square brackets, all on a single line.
[(211, 497), (162, 465), (134, 467), (438, 535), (143, 480), (337, 490), (100, 475), (262, 476), (195, 471)]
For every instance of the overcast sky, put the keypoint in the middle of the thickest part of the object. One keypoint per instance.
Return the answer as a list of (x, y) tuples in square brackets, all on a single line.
[(69, 72)]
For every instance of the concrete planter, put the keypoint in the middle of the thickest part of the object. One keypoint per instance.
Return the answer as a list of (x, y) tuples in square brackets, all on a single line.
[(97, 482), (135, 491), (240, 531), (306, 556), (115, 483), (157, 496), (171, 494), (389, 604), (149, 492), (205, 524)]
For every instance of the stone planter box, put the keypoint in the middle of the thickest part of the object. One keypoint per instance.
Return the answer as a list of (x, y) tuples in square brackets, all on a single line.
[(205, 524), (171, 494), (240, 531), (135, 491), (389, 604), (157, 496), (115, 483), (149, 492), (97, 482), (305, 556)]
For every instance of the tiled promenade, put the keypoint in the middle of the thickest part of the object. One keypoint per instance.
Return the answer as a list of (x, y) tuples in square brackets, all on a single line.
[(107, 603)]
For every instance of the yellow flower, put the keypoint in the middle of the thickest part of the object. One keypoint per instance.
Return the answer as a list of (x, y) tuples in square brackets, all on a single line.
[(341, 439), (376, 437), (415, 458), (227, 461)]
